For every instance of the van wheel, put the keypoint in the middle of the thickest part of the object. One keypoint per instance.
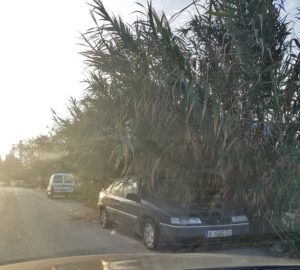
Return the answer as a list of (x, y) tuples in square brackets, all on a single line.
[(51, 195), (104, 218), (150, 234)]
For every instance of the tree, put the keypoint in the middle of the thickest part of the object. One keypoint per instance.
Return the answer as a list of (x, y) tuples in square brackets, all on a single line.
[(11, 168), (210, 109)]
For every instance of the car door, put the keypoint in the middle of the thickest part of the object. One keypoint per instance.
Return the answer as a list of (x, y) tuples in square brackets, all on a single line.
[(130, 205), (113, 200)]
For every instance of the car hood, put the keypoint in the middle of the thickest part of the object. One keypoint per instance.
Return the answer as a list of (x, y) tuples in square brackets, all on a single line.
[(184, 210), (151, 261)]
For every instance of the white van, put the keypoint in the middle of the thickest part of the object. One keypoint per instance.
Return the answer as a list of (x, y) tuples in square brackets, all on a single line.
[(60, 183)]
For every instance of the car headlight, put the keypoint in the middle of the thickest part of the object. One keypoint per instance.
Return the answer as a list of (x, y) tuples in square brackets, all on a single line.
[(236, 219), (185, 221)]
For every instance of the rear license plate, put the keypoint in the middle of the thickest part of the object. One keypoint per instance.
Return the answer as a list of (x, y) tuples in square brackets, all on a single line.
[(219, 233)]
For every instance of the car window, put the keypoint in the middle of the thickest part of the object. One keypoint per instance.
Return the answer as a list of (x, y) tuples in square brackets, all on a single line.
[(131, 188), (117, 189), (57, 179), (68, 179)]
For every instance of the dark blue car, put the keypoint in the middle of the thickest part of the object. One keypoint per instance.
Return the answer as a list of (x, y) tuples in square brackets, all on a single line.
[(160, 221)]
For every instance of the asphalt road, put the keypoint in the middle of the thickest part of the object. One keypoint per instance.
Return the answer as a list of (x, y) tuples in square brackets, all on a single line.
[(35, 227), (32, 226)]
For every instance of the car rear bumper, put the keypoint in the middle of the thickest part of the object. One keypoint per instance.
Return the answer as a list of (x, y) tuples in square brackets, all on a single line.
[(61, 190), (172, 232)]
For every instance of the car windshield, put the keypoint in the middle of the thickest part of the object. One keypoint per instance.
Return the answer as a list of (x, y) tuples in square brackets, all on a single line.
[(68, 179), (58, 179), (184, 196), (150, 127)]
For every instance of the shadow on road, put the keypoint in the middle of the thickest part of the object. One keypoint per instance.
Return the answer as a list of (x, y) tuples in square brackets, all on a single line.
[(230, 247)]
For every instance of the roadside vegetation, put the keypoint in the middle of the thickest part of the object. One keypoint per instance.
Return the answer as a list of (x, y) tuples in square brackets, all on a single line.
[(212, 105)]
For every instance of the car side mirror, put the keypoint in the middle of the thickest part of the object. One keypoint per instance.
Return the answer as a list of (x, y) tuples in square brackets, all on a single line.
[(132, 197)]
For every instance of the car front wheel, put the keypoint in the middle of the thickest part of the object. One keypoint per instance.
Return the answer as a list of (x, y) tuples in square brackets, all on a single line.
[(150, 234), (104, 218)]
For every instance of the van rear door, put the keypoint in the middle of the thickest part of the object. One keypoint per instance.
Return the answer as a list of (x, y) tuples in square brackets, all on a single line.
[(69, 182), (57, 183)]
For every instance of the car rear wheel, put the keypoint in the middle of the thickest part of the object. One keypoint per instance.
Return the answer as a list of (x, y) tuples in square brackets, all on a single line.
[(150, 235), (104, 218), (51, 195)]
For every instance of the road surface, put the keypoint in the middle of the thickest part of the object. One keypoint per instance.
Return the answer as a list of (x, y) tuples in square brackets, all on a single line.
[(35, 227), (32, 226)]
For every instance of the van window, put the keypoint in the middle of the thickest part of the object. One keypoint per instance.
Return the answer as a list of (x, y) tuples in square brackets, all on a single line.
[(68, 179), (132, 188), (57, 179)]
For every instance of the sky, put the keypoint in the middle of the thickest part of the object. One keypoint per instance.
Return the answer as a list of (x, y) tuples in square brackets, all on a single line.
[(40, 64)]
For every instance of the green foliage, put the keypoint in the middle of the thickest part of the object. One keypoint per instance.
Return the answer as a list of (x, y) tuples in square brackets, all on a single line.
[(208, 105), (11, 169)]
